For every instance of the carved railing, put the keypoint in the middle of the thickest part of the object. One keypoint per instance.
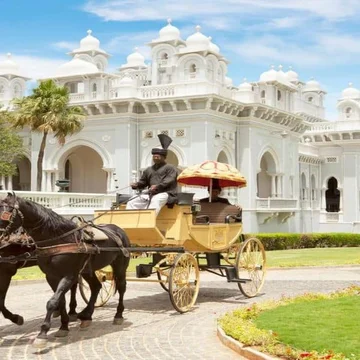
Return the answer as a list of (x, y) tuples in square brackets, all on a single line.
[(276, 204)]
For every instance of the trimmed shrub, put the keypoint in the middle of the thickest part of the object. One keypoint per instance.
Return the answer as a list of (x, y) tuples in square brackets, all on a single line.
[(285, 241)]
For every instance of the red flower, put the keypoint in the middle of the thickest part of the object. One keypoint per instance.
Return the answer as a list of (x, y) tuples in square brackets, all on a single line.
[(305, 354)]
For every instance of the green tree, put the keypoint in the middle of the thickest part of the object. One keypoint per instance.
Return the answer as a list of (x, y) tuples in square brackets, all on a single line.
[(47, 111), (11, 146)]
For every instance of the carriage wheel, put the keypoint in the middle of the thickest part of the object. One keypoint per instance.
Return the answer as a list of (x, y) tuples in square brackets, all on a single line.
[(105, 276), (184, 282), (250, 266)]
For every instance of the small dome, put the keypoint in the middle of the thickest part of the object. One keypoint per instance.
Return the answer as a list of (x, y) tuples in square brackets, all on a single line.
[(198, 41), (291, 75), (169, 32), (76, 67), (126, 80), (89, 42), (245, 86), (9, 66), (350, 93), (135, 60), (270, 75), (213, 47), (312, 85)]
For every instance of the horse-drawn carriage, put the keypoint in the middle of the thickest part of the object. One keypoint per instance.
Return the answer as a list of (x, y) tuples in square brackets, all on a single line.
[(188, 238), (182, 241)]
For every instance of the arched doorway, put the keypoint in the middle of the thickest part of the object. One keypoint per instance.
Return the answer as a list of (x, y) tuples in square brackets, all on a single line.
[(83, 166), (264, 177), (332, 196), (22, 180)]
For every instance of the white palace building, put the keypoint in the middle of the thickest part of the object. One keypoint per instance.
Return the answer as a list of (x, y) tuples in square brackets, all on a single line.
[(303, 172)]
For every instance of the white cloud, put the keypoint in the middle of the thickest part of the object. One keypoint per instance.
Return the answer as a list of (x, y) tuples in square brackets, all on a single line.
[(130, 10), (65, 45), (36, 67), (341, 49)]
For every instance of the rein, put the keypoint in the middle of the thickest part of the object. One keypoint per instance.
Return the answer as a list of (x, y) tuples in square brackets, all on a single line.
[(10, 217)]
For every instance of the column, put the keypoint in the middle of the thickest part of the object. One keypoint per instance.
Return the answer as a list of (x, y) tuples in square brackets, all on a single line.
[(341, 199), (273, 186), (323, 199), (2, 182), (43, 181), (9, 183), (279, 186), (48, 181)]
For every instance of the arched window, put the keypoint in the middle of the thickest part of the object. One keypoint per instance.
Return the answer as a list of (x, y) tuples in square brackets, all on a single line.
[(164, 56), (278, 95), (263, 94), (332, 195), (192, 71), (2, 89), (310, 99), (94, 87), (17, 91), (100, 66), (348, 112)]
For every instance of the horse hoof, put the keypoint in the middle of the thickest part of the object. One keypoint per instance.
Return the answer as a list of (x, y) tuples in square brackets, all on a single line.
[(61, 333), (20, 320), (85, 324), (73, 317), (56, 314), (39, 343), (118, 321)]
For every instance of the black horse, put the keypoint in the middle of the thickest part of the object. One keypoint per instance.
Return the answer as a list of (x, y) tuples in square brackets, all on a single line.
[(9, 269), (63, 254)]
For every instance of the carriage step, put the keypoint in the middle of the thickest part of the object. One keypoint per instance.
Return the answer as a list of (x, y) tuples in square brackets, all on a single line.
[(232, 275)]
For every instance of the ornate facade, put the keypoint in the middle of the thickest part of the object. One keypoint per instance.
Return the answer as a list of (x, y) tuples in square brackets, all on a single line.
[(302, 170)]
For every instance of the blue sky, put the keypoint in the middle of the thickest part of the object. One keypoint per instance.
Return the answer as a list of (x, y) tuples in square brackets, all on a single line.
[(318, 38)]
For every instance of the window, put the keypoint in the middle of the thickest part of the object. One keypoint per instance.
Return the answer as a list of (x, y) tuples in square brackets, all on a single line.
[(262, 95), (17, 91), (94, 88), (2, 89), (310, 99), (180, 133), (164, 56), (193, 68), (278, 95), (348, 112)]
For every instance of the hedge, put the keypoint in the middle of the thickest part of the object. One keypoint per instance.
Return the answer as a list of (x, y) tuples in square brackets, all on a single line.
[(285, 241)]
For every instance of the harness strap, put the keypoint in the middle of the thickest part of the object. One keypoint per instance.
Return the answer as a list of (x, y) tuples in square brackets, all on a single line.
[(80, 248)]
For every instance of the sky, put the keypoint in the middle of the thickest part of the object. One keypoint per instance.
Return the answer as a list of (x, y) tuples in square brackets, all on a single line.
[(318, 38)]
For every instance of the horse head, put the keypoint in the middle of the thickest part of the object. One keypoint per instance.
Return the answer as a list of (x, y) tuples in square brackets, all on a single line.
[(11, 218)]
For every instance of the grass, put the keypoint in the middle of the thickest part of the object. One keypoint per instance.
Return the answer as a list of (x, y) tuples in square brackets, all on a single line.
[(329, 324), (34, 273), (278, 258)]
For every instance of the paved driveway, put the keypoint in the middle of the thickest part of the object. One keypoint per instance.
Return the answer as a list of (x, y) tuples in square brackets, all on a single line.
[(153, 329)]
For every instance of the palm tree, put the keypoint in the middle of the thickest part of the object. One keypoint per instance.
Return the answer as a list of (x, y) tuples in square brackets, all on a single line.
[(47, 111)]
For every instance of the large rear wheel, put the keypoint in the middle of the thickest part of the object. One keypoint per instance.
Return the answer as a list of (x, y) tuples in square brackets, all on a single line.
[(251, 266), (184, 282), (105, 276)]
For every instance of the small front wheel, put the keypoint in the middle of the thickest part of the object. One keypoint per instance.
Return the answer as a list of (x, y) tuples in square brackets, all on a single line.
[(251, 267), (184, 282)]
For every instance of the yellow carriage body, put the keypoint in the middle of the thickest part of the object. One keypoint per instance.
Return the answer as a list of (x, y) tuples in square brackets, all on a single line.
[(173, 227)]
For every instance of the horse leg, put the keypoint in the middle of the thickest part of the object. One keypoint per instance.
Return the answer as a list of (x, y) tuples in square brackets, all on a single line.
[(119, 266), (73, 304), (5, 279), (57, 301), (95, 286)]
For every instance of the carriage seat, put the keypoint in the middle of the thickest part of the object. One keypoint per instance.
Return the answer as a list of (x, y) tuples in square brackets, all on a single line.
[(217, 212)]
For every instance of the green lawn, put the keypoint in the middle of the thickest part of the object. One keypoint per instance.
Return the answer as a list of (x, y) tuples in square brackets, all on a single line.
[(278, 258), (313, 257), (329, 325)]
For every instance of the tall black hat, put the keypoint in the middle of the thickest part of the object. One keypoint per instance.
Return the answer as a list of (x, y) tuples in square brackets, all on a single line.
[(165, 142)]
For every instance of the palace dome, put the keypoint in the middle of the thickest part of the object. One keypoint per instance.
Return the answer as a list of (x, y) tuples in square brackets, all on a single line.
[(135, 60), (169, 32), (312, 85), (9, 66), (213, 47), (89, 42), (350, 93), (270, 75), (197, 41), (245, 86), (76, 66), (291, 75)]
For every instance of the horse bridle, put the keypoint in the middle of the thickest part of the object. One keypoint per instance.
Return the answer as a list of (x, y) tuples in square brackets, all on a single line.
[(10, 216)]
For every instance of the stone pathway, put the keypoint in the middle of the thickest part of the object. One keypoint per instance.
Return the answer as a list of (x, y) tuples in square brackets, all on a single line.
[(152, 328)]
